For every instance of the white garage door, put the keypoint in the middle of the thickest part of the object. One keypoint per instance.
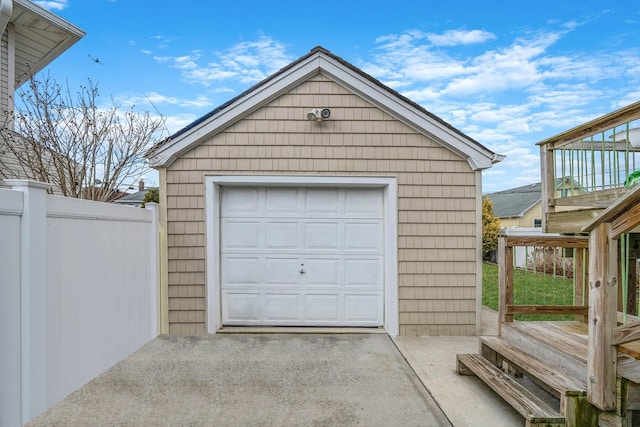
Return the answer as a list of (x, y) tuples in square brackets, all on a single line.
[(302, 256)]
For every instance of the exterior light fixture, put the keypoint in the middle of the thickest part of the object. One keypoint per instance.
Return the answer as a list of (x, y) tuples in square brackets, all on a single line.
[(319, 114)]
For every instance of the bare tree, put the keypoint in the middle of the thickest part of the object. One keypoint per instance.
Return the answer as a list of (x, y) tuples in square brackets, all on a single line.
[(65, 139)]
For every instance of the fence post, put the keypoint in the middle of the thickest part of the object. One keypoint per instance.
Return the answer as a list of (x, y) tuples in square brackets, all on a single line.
[(33, 278), (603, 292), (505, 281), (154, 251), (11, 208), (580, 294)]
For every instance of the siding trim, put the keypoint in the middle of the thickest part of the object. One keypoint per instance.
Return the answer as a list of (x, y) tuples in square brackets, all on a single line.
[(213, 185)]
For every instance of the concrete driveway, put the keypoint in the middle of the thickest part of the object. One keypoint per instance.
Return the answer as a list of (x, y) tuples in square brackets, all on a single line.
[(254, 380)]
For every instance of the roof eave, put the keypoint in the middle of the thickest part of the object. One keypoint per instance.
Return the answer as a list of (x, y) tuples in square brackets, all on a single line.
[(72, 35), (52, 18), (477, 156)]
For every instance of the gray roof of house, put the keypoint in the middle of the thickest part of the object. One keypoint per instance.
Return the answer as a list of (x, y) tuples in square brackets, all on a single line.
[(515, 202), (136, 197)]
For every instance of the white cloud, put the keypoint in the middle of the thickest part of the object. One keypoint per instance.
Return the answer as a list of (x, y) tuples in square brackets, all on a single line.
[(564, 96), (513, 67), (457, 37), (247, 62), (178, 121), (53, 4), (627, 98), (157, 102)]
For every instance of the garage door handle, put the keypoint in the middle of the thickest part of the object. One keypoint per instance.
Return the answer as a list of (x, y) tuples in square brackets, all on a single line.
[(301, 271)]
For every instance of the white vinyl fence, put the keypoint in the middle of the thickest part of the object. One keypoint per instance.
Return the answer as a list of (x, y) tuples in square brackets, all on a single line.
[(78, 293), (522, 255)]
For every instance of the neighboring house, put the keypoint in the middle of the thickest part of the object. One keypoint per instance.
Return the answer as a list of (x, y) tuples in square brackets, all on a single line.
[(32, 38), (518, 207), (134, 199), (521, 207), (321, 197)]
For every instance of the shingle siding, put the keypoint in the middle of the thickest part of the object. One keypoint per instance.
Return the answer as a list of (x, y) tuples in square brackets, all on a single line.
[(436, 200)]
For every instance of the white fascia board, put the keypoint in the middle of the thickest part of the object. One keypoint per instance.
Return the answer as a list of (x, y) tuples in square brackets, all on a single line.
[(236, 111), (476, 156), (52, 18)]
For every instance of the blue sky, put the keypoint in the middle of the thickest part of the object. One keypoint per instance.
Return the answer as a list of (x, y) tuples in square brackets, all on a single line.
[(508, 74)]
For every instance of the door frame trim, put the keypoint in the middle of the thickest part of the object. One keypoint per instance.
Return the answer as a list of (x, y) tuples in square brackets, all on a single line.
[(213, 185)]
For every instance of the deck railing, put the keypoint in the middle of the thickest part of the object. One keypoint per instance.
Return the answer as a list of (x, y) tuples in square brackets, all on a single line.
[(589, 167), (556, 249)]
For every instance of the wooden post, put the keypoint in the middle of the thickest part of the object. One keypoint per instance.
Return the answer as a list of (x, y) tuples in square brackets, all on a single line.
[(580, 293), (632, 291), (505, 281), (603, 291), (548, 183)]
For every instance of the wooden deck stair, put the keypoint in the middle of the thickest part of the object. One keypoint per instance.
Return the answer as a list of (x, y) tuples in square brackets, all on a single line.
[(535, 411), (551, 357)]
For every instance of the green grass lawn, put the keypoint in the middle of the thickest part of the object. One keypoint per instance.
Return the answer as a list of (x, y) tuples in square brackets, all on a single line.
[(529, 288)]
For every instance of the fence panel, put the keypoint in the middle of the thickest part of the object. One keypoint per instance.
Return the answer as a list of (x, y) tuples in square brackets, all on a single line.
[(99, 306), (79, 293)]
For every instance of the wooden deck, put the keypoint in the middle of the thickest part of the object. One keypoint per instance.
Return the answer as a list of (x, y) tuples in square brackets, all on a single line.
[(552, 357), (593, 368)]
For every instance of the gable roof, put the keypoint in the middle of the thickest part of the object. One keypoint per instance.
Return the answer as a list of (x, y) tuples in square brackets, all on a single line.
[(321, 60), (515, 202), (40, 37)]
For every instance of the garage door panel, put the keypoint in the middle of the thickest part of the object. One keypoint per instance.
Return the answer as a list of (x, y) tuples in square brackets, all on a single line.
[(363, 307), (282, 271), (241, 307), (322, 201), (241, 234), (282, 235), (282, 201), (282, 307), (322, 235), (367, 202), (241, 271), (361, 236), (359, 273), (322, 308), (322, 272), (241, 202)]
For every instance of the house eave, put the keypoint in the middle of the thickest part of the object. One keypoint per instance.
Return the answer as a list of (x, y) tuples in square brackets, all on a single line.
[(477, 156), (41, 24)]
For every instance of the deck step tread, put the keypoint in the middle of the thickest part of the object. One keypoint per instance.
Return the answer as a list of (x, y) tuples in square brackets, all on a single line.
[(531, 407), (577, 331), (567, 343), (559, 382)]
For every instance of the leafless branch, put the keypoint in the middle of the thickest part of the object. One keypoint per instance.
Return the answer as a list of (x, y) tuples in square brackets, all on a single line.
[(65, 139)]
